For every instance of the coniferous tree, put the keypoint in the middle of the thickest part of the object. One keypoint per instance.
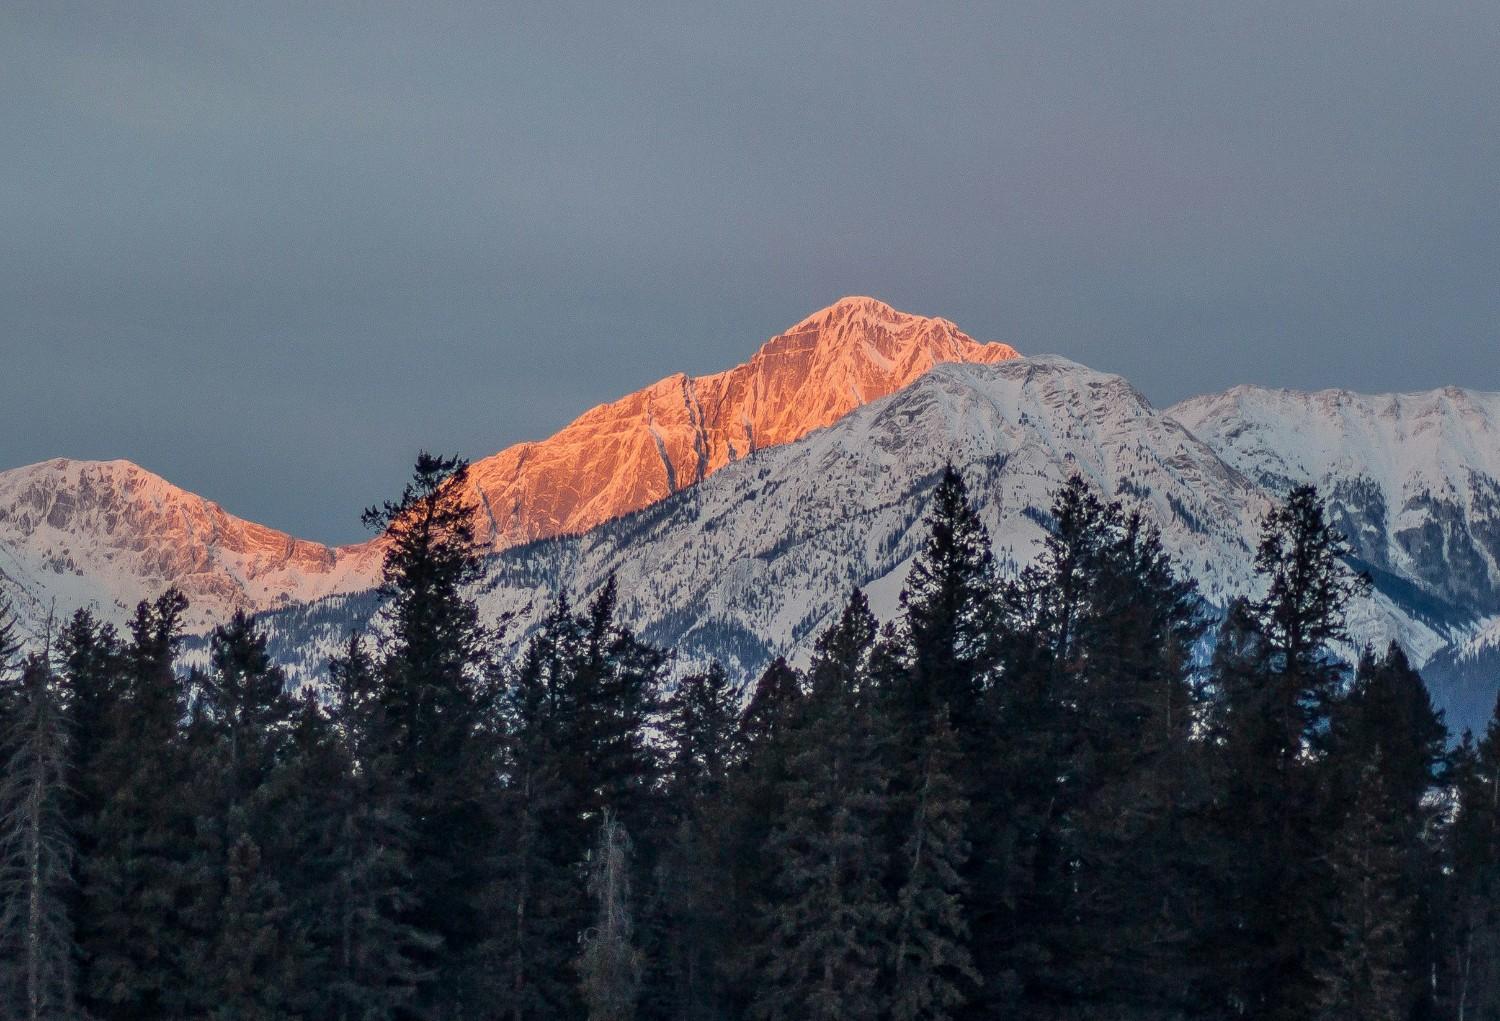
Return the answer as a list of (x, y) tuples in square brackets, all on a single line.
[(1129, 885), (92, 664), (1278, 695), (538, 894), (238, 735), (1386, 747), (1469, 985), (948, 611), (764, 742), (255, 970), (932, 970), (578, 709), (1022, 874), (345, 825), (92, 678), (941, 658), (38, 954), (1366, 974), (609, 965), (134, 884), (830, 916), (689, 906), (437, 719), (615, 683), (770, 712)]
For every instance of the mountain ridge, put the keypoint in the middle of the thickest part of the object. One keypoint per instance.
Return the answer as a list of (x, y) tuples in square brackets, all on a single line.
[(612, 459)]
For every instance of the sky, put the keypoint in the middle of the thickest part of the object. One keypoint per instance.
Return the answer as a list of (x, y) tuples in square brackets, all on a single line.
[(270, 250)]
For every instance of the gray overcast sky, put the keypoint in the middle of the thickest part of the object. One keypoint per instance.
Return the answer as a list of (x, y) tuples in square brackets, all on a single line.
[(270, 250)]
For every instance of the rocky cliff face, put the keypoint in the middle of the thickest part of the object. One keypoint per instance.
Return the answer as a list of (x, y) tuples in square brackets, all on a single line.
[(623, 456)]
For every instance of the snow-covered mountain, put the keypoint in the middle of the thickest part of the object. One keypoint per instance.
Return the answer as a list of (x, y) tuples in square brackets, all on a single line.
[(1413, 479), (751, 562), (105, 535), (737, 509)]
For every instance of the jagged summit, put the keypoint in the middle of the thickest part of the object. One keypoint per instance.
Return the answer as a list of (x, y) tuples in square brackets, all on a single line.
[(624, 455)]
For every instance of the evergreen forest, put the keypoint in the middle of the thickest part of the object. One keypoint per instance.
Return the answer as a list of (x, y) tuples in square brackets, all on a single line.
[(1076, 793)]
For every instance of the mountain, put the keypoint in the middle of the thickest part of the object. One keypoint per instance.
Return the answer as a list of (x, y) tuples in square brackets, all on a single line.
[(1413, 479), (623, 456), (108, 534), (750, 563), (737, 509)]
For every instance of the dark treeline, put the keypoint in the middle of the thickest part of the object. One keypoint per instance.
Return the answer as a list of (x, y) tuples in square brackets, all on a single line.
[(1022, 799)]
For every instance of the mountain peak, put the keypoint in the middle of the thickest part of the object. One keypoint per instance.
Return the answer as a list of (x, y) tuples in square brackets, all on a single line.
[(622, 456), (854, 307)]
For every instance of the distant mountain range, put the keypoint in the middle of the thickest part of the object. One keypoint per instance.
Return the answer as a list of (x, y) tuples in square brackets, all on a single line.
[(737, 509)]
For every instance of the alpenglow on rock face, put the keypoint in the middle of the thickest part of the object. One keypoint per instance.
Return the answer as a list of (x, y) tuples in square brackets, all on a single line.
[(623, 456)]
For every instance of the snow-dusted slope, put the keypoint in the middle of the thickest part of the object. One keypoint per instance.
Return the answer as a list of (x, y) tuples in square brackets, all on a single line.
[(1413, 479), (749, 563), (623, 456), (106, 534)]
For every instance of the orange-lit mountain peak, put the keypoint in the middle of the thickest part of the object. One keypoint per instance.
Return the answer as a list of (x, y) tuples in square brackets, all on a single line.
[(622, 456)]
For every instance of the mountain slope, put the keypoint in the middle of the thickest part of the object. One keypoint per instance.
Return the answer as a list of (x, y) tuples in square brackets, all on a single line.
[(106, 534), (1412, 479), (623, 456)]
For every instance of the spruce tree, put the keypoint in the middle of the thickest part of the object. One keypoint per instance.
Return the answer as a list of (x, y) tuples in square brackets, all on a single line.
[(244, 703), (1367, 973), (437, 719), (538, 895), (764, 742), (1469, 985), (238, 735), (1277, 698), (255, 970), (347, 828), (830, 916), (134, 884), (38, 954), (688, 907), (92, 665), (1029, 783), (577, 709), (1129, 885), (614, 681), (770, 712), (948, 610), (932, 970), (92, 677)]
